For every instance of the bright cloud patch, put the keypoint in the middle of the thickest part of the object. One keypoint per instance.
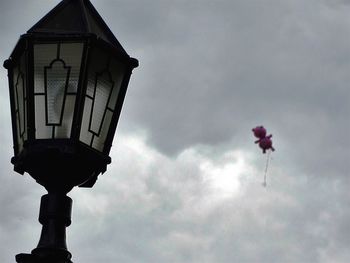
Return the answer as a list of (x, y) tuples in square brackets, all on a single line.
[(193, 183), (225, 175), (214, 177)]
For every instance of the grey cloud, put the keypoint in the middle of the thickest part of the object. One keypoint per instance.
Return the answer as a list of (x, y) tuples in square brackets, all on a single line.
[(174, 219), (225, 75), (209, 71)]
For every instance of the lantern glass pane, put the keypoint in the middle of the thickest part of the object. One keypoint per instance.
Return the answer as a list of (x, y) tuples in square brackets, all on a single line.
[(42, 131), (63, 131), (56, 77), (98, 141), (72, 53), (102, 93), (43, 55), (118, 72), (105, 76), (20, 102), (85, 135)]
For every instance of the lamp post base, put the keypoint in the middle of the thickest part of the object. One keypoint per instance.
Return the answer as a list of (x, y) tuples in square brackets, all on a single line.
[(29, 258)]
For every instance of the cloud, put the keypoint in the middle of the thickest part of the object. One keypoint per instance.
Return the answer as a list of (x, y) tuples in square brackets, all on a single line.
[(239, 64), (178, 210), (185, 181)]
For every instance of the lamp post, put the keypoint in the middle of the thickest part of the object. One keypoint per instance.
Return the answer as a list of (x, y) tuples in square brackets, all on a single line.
[(68, 77)]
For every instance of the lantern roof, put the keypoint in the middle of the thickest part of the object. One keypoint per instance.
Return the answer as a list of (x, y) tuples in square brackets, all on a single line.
[(76, 17)]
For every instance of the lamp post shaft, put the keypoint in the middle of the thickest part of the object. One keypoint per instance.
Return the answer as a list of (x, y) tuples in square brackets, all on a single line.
[(55, 216)]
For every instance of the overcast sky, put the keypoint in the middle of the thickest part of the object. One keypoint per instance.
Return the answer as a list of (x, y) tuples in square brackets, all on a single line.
[(184, 185)]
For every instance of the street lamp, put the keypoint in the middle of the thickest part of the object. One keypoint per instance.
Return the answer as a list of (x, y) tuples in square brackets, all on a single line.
[(68, 77)]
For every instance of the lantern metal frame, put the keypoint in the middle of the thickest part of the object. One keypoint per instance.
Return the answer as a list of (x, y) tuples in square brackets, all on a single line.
[(43, 158)]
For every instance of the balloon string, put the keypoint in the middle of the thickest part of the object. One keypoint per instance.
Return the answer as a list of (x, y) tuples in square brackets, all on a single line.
[(267, 165)]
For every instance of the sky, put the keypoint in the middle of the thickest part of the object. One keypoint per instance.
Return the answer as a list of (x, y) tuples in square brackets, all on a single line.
[(184, 185)]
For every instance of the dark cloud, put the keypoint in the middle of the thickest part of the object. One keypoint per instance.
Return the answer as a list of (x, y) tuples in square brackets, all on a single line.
[(237, 64)]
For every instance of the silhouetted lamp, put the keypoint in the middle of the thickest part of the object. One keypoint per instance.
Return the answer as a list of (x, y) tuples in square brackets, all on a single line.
[(68, 77)]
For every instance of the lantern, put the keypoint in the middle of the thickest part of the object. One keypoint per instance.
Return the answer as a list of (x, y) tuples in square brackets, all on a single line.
[(68, 77)]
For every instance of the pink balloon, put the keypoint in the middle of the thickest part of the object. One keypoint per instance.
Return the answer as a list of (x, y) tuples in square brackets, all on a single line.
[(265, 142), (259, 132)]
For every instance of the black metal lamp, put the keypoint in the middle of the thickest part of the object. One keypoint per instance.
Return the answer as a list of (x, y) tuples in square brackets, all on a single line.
[(68, 77)]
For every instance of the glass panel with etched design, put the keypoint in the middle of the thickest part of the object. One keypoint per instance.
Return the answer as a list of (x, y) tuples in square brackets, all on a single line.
[(56, 78), (105, 76)]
